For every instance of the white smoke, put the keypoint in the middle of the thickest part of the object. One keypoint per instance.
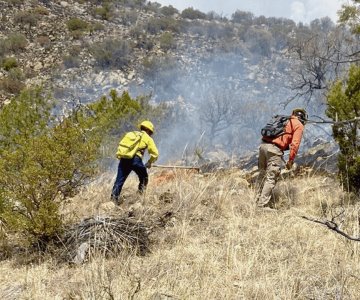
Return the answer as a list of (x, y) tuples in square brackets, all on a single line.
[(300, 10), (307, 10)]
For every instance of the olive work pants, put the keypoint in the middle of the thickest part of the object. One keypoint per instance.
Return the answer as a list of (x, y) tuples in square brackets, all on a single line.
[(270, 162)]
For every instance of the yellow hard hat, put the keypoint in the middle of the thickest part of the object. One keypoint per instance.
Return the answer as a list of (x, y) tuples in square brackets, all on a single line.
[(147, 125)]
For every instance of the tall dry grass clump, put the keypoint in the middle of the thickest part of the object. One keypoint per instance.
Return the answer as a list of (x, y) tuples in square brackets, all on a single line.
[(213, 244)]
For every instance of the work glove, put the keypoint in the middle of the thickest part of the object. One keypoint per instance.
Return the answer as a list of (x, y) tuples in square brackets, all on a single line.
[(289, 164), (148, 165)]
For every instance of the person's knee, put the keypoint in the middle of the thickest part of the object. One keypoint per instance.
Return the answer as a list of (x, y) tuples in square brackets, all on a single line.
[(272, 177)]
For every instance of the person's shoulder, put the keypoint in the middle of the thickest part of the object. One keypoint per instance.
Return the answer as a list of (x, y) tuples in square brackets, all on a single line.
[(145, 136), (295, 121)]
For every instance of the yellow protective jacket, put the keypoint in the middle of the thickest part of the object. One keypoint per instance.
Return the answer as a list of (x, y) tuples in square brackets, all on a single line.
[(148, 143)]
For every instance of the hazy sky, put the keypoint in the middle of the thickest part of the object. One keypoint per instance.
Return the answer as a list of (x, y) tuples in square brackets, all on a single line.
[(297, 10)]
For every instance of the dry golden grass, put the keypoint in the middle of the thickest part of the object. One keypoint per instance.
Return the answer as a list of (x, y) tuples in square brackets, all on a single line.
[(216, 245)]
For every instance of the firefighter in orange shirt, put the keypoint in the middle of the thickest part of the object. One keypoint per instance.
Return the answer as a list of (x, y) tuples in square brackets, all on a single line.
[(271, 153)]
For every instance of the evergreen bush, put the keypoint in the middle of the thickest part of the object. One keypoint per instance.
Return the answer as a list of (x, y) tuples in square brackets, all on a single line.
[(111, 53), (169, 10), (44, 160), (26, 18), (11, 85), (193, 14), (105, 12), (15, 42), (77, 27), (343, 103), (167, 41), (9, 63)]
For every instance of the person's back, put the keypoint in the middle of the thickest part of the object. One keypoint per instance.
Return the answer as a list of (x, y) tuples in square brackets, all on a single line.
[(291, 138)]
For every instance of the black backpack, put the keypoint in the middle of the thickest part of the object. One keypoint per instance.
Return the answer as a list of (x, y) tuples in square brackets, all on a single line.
[(275, 127)]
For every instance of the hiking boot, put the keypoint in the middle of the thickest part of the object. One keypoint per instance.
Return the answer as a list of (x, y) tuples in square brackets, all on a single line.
[(115, 200)]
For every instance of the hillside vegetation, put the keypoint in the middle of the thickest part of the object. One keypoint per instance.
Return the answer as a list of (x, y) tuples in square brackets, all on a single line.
[(215, 245), (76, 75), (222, 76)]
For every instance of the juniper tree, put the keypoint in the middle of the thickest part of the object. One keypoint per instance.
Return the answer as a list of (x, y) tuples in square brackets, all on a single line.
[(44, 159), (343, 103)]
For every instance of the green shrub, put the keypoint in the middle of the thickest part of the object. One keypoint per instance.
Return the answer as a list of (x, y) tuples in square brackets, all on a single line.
[(343, 103), (41, 10), (13, 82), (16, 74), (192, 14), (243, 17), (105, 12), (77, 24), (77, 27), (26, 18), (167, 41), (44, 161), (15, 42), (111, 53), (170, 24), (169, 10), (9, 63), (153, 7), (155, 25), (11, 85)]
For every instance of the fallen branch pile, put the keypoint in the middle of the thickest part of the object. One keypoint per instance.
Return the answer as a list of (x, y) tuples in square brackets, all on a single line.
[(106, 236)]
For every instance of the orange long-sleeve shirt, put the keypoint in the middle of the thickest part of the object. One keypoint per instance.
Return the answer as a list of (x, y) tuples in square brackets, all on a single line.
[(291, 139)]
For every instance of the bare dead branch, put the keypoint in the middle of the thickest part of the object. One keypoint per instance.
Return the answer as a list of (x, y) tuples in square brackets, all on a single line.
[(334, 227)]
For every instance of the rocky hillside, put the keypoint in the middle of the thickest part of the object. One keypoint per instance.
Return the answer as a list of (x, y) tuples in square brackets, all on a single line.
[(194, 234), (66, 44), (225, 76)]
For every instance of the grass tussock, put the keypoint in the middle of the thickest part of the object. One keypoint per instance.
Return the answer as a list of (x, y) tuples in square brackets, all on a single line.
[(210, 242)]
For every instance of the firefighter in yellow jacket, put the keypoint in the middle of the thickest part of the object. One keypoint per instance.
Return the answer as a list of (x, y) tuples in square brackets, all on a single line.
[(126, 165)]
